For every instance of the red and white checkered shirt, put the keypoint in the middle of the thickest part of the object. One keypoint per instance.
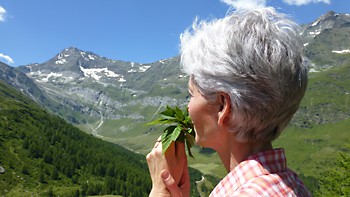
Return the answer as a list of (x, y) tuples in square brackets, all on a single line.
[(262, 174)]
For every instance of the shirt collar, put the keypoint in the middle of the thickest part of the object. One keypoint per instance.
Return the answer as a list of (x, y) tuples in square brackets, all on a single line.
[(263, 163)]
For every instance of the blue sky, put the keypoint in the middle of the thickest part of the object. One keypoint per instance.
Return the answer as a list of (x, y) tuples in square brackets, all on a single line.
[(33, 31)]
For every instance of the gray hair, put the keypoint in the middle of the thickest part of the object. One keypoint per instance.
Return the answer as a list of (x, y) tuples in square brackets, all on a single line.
[(255, 56)]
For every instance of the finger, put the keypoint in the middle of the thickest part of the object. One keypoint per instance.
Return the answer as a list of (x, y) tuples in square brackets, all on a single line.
[(158, 141), (170, 183), (171, 150), (180, 149), (156, 144), (185, 177)]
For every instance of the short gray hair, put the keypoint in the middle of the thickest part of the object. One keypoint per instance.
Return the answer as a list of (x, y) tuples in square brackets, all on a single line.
[(255, 56)]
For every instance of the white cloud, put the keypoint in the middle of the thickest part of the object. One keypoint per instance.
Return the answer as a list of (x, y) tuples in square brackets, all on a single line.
[(245, 4), (304, 2), (7, 58), (2, 13)]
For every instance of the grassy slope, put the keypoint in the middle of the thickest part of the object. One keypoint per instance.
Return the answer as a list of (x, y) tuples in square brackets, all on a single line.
[(21, 119), (321, 126)]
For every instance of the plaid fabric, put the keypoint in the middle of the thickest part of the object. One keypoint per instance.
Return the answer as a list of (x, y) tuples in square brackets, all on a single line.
[(262, 174)]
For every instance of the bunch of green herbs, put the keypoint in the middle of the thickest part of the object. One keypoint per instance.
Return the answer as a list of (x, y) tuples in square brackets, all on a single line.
[(180, 128)]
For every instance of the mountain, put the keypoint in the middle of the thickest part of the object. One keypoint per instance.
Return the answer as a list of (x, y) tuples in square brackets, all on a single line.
[(114, 99), (100, 87), (327, 40)]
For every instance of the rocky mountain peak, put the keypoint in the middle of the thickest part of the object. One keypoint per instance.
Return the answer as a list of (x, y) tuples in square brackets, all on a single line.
[(326, 39), (330, 20), (331, 15), (74, 56)]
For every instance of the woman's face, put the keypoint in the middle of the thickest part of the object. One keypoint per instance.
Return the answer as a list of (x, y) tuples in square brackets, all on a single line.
[(204, 117)]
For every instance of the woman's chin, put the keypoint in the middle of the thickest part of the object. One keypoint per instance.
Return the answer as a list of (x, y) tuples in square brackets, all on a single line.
[(197, 140)]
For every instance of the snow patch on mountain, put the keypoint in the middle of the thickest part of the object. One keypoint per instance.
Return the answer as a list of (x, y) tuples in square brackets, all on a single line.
[(314, 33), (61, 58), (342, 51), (121, 79), (98, 73), (315, 23), (61, 61), (144, 68), (141, 68), (88, 57), (44, 77)]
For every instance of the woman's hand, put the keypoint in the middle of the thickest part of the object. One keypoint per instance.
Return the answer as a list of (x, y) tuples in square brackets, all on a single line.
[(169, 172)]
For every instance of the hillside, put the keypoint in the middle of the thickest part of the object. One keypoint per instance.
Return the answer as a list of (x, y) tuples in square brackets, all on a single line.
[(28, 87), (41, 154), (319, 132)]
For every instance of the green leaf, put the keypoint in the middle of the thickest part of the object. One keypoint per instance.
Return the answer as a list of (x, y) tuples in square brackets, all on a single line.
[(164, 120), (176, 133), (190, 138), (167, 138), (189, 149), (178, 113), (168, 112)]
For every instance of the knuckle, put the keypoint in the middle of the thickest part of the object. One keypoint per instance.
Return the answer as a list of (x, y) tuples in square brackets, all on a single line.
[(149, 157)]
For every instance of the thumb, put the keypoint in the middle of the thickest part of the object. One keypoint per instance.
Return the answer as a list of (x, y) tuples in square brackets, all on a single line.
[(170, 183)]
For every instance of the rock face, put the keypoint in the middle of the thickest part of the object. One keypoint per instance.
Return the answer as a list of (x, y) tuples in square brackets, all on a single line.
[(20, 81)]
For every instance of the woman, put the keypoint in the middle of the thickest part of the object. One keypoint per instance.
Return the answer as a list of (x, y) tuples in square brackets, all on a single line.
[(246, 82)]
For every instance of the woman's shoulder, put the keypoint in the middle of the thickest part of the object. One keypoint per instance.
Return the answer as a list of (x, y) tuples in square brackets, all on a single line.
[(280, 184), (262, 175)]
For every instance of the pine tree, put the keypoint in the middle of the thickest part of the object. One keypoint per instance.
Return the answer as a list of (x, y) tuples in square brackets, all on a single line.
[(42, 177), (54, 174)]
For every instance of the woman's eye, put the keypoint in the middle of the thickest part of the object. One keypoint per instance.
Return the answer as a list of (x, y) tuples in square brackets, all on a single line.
[(189, 96)]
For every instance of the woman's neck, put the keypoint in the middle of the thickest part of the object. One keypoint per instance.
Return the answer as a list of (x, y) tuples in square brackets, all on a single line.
[(233, 152)]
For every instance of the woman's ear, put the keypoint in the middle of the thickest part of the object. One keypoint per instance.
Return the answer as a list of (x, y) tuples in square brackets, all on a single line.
[(225, 108)]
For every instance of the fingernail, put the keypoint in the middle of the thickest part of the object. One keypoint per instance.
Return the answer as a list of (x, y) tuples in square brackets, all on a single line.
[(165, 175)]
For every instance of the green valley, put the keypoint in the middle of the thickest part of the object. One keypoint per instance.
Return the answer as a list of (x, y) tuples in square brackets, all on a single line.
[(42, 155)]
